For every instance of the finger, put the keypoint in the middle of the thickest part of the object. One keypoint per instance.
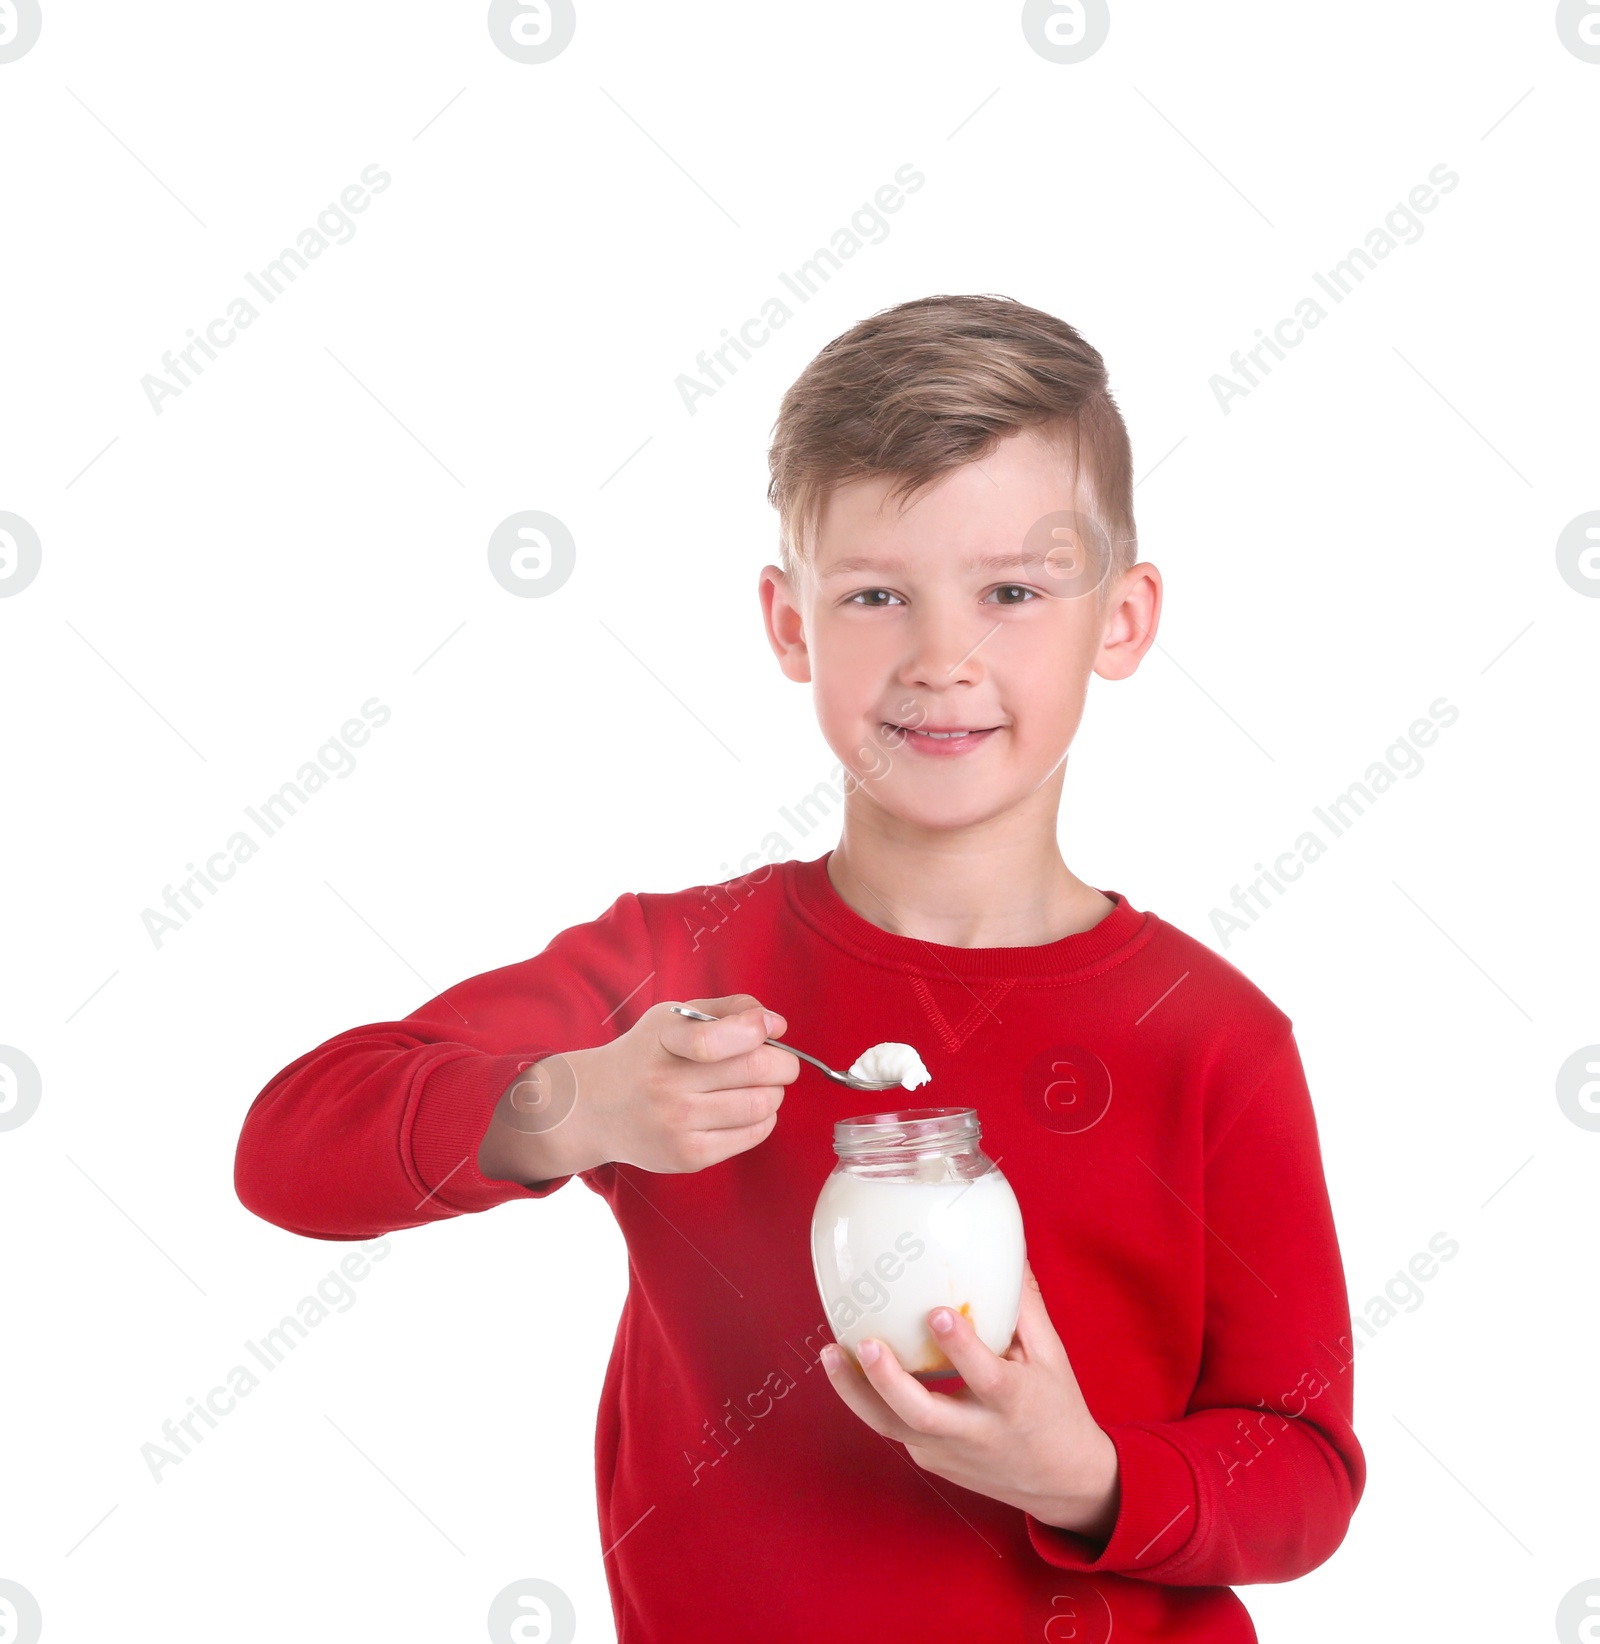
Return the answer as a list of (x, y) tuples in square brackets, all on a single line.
[(777, 1025), (1036, 1337), (901, 1398), (988, 1376), (734, 1109), (851, 1384), (764, 1065), (741, 1030), (724, 1144)]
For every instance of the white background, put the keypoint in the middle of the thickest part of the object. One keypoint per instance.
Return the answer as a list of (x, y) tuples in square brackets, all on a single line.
[(304, 528)]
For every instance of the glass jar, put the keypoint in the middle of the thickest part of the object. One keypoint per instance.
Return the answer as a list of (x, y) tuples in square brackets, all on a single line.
[(915, 1216)]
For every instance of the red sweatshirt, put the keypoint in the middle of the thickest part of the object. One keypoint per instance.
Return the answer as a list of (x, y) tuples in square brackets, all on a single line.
[(1145, 1101)]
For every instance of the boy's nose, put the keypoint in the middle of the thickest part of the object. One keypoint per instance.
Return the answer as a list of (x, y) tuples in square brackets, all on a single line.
[(946, 650)]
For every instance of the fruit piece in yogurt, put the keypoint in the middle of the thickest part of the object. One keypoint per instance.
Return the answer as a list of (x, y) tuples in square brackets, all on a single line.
[(892, 1061)]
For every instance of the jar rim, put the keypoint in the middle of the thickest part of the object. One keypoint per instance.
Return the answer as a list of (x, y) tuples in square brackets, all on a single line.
[(905, 1128)]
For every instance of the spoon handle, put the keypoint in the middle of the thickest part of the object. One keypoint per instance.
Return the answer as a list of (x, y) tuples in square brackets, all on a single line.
[(821, 1067)]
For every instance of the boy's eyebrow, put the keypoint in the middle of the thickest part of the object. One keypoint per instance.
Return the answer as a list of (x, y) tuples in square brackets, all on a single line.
[(1014, 560)]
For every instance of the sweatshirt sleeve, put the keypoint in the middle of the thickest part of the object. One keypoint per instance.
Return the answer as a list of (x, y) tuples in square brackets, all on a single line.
[(378, 1128), (1258, 1481)]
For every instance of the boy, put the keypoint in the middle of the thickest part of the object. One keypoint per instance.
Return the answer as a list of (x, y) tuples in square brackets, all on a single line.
[(954, 487)]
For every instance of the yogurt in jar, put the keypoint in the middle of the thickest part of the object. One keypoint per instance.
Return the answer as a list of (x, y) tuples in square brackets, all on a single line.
[(886, 1250)]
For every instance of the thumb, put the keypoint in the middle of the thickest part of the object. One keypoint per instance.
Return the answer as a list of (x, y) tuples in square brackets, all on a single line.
[(1035, 1329)]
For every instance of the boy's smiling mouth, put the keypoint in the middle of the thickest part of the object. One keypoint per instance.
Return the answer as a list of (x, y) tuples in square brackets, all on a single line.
[(940, 742)]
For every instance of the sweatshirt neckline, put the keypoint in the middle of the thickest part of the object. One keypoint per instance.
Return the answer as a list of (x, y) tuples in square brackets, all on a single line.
[(814, 899)]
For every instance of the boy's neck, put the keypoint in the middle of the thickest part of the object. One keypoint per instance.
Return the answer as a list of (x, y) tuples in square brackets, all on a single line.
[(1003, 884)]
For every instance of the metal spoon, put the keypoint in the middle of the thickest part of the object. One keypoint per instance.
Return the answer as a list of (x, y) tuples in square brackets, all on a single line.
[(822, 1067)]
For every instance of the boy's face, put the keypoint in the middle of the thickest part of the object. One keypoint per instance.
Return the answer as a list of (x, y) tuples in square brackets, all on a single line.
[(974, 612)]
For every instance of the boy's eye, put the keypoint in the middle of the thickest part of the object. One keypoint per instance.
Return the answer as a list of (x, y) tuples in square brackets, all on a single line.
[(876, 598), (1012, 593)]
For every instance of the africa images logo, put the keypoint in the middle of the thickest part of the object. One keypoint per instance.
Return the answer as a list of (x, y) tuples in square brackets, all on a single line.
[(20, 23)]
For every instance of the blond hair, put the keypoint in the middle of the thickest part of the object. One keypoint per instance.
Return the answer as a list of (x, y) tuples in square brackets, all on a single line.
[(921, 388)]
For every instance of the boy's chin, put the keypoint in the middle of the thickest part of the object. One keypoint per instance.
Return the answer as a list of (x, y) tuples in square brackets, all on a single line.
[(947, 812)]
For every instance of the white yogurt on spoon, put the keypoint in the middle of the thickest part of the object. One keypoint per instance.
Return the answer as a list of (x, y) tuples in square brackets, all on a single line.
[(891, 1061)]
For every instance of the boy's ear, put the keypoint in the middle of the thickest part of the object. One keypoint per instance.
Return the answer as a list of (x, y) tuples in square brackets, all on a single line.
[(1132, 614), (785, 631)]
